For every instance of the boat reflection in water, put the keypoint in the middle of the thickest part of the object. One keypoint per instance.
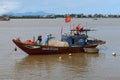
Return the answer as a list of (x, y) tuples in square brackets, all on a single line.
[(50, 67)]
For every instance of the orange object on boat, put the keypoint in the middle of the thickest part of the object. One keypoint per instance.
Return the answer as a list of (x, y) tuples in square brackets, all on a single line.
[(30, 42), (78, 27)]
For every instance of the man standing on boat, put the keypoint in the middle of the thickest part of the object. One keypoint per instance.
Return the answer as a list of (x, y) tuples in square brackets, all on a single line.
[(47, 39)]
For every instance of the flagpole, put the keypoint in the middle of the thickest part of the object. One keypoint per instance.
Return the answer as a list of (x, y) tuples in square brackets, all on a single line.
[(61, 30)]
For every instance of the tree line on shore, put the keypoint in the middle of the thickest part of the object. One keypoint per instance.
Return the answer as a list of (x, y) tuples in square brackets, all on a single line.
[(63, 16)]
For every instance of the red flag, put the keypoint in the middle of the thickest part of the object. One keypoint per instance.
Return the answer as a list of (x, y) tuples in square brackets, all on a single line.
[(67, 19), (78, 27)]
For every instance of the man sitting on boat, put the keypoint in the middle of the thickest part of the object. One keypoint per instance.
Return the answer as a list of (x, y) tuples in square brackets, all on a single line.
[(39, 40)]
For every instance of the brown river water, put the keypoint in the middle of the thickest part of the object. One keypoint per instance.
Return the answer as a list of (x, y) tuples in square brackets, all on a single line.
[(17, 65)]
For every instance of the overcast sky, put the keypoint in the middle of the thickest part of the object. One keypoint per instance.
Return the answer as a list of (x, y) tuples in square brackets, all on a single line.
[(61, 6)]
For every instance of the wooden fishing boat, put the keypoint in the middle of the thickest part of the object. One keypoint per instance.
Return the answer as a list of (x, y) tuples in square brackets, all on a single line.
[(74, 42), (45, 49)]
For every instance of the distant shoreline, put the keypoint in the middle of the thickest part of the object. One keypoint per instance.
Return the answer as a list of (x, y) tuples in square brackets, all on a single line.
[(58, 18), (63, 16), (60, 22)]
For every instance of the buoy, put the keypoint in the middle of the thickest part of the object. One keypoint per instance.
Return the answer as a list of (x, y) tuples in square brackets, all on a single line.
[(114, 54), (60, 57), (15, 49), (70, 54)]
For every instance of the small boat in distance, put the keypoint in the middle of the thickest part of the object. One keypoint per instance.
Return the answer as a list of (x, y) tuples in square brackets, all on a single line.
[(4, 18), (74, 42)]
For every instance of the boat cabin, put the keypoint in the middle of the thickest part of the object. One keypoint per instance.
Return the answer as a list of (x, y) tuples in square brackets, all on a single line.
[(77, 37)]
